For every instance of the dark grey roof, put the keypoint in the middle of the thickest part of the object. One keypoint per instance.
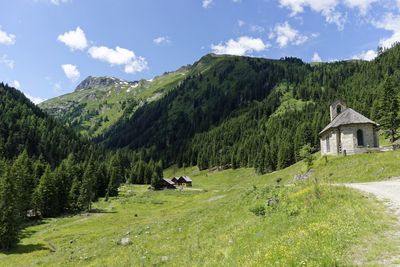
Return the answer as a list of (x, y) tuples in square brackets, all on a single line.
[(169, 181), (186, 178), (348, 116)]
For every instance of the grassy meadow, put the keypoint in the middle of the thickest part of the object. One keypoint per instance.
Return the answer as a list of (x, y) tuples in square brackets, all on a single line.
[(224, 220)]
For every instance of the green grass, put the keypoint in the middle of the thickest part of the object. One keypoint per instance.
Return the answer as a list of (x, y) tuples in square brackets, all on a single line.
[(314, 224), (359, 168)]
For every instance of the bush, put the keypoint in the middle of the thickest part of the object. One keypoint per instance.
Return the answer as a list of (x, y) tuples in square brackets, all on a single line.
[(258, 210)]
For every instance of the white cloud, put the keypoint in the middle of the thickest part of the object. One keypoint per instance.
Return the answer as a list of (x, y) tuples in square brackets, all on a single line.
[(75, 39), (256, 28), (241, 46), (206, 3), (34, 99), (390, 23), (7, 38), (162, 40), (241, 23), (284, 35), (71, 71), (4, 59), (57, 2), (366, 55), (362, 5), (119, 56), (16, 84), (328, 8), (316, 58)]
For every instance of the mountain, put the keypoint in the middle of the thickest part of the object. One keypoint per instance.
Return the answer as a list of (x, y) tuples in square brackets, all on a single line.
[(250, 112), (99, 102), (235, 111), (25, 127), (102, 82)]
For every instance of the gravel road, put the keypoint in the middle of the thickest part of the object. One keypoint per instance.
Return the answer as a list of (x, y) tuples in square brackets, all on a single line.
[(385, 190)]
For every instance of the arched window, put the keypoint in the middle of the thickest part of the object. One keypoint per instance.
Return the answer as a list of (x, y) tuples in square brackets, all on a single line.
[(338, 109), (360, 137)]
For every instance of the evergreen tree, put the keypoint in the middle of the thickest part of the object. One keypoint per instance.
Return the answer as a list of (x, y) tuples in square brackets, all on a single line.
[(24, 182), (46, 195), (87, 192), (10, 220), (116, 174), (157, 175), (389, 118)]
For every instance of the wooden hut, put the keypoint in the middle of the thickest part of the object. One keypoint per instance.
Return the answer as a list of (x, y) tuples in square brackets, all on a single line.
[(185, 181), (167, 184)]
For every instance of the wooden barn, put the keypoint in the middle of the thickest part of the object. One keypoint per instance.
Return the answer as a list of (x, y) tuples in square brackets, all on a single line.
[(175, 180), (184, 181), (167, 184)]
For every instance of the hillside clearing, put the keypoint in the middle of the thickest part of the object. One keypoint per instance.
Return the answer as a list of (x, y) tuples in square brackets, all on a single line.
[(313, 224)]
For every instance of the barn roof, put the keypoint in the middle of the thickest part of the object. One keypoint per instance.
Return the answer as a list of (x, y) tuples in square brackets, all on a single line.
[(186, 178), (348, 116), (169, 181)]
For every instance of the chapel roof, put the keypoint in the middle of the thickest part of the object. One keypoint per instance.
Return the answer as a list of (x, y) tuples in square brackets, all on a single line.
[(348, 116)]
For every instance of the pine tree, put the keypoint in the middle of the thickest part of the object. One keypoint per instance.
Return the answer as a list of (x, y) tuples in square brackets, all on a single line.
[(157, 175), (46, 195), (10, 220), (24, 182), (86, 192), (116, 174), (389, 107)]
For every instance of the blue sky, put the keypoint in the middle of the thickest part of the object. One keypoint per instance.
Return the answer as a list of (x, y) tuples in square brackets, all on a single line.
[(48, 46)]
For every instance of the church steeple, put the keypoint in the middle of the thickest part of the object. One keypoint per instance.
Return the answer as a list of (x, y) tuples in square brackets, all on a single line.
[(336, 108)]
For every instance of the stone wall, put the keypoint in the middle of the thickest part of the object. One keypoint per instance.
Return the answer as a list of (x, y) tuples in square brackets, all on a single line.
[(349, 138), (331, 135)]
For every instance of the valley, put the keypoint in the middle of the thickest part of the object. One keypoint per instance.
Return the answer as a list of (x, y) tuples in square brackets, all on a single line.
[(315, 222), (200, 133)]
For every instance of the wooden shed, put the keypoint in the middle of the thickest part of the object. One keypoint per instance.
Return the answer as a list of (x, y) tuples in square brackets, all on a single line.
[(167, 184), (185, 181)]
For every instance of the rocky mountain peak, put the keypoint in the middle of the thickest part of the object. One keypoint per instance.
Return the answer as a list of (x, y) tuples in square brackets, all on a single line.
[(96, 82)]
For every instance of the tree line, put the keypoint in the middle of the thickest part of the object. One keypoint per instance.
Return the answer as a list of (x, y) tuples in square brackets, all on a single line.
[(47, 170), (251, 112)]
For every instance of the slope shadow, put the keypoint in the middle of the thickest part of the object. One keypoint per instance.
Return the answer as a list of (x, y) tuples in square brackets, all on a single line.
[(101, 211), (25, 248)]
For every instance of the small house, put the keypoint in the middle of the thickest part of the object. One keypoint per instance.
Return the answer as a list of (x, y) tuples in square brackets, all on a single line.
[(167, 184), (175, 180), (184, 181), (349, 132)]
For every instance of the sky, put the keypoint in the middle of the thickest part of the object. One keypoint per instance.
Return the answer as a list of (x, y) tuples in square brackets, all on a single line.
[(48, 46)]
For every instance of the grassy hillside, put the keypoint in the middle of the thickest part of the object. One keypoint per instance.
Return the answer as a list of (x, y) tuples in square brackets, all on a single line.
[(314, 224), (93, 111)]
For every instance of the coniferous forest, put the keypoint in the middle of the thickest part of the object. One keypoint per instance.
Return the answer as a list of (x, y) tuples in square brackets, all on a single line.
[(47, 169), (251, 112), (228, 112)]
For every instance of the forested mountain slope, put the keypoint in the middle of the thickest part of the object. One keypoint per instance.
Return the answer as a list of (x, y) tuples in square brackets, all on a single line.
[(46, 169), (242, 111), (99, 102), (25, 127)]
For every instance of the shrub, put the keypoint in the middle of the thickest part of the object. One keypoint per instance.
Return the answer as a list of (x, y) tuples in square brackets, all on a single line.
[(258, 210)]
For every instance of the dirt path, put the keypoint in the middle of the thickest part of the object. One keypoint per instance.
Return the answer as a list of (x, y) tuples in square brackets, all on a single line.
[(386, 190), (389, 192)]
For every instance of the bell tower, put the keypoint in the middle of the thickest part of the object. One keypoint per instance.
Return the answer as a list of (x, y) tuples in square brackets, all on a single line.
[(336, 108)]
